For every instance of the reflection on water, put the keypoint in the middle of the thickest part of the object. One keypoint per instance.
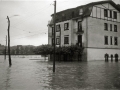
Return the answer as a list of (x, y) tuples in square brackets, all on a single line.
[(27, 74)]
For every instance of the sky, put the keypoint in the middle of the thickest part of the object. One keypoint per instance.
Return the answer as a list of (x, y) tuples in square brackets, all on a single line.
[(29, 19)]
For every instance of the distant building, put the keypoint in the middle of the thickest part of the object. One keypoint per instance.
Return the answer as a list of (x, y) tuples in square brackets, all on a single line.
[(94, 26), (2, 49), (21, 49)]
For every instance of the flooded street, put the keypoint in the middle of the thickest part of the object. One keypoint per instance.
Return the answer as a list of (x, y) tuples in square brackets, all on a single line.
[(27, 74)]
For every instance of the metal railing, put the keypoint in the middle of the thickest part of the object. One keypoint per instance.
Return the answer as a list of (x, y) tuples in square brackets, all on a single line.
[(78, 31)]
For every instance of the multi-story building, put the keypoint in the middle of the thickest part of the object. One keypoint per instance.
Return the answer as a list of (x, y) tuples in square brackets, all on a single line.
[(94, 26)]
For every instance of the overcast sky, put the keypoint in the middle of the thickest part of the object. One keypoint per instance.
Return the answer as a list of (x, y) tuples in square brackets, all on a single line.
[(29, 19)]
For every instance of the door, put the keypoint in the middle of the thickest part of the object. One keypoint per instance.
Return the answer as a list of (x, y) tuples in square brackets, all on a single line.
[(80, 40)]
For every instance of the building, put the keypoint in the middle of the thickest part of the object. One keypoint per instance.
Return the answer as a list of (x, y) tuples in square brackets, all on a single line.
[(2, 49), (94, 26), (23, 50)]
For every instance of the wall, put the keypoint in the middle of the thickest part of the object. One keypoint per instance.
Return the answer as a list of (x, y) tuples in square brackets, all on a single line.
[(96, 44), (98, 11), (98, 54)]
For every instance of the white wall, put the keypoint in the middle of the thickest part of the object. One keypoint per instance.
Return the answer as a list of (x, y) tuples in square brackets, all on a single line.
[(98, 54), (96, 33)]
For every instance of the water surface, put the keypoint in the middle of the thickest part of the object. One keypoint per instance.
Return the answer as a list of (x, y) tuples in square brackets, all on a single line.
[(29, 74)]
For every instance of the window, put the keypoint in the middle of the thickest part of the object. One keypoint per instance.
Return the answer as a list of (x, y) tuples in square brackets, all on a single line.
[(57, 28), (73, 14), (110, 40), (105, 26), (66, 39), (115, 41), (106, 40), (57, 41), (52, 30), (80, 11), (115, 14), (110, 13), (66, 26), (52, 41), (79, 26), (63, 16), (115, 28), (105, 13), (110, 27)]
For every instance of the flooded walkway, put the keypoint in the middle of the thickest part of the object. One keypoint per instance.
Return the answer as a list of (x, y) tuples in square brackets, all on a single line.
[(26, 74)]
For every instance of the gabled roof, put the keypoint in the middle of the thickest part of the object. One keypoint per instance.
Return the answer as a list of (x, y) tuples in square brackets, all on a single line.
[(68, 13), (103, 2)]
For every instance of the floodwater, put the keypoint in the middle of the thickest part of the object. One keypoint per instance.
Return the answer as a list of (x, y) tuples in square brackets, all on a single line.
[(29, 74)]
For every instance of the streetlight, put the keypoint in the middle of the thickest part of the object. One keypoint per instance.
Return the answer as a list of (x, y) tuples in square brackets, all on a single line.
[(10, 62)]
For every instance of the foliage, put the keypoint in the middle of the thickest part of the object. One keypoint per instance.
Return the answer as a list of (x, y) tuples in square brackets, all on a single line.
[(43, 49), (48, 49)]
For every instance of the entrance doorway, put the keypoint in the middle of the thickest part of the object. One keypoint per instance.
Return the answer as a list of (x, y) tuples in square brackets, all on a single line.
[(80, 40)]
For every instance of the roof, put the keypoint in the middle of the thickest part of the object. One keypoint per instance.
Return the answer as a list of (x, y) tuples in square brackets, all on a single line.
[(118, 6), (74, 12)]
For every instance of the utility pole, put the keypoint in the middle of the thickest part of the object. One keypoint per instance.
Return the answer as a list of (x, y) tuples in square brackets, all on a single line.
[(54, 34), (10, 63), (5, 47)]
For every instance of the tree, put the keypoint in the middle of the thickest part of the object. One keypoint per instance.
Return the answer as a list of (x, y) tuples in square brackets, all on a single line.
[(44, 50), (66, 51)]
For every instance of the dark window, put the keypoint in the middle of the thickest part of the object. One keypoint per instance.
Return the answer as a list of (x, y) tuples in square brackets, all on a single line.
[(57, 41), (115, 28), (52, 30), (58, 28), (63, 16), (105, 13), (111, 40), (115, 15), (73, 14), (66, 40), (110, 13), (106, 40), (110, 27), (79, 26), (66, 26), (105, 26), (52, 41), (115, 40)]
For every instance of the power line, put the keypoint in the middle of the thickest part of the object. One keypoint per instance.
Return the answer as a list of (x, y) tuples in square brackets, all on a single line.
[(28, 36), (42, 9)]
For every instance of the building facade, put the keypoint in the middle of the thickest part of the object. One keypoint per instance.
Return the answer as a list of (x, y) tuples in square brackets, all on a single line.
[(94, 26)]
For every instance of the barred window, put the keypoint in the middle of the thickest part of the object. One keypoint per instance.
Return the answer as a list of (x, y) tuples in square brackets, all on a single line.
[(105, 26), (66, 39), (105, 13), (115, 15)]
